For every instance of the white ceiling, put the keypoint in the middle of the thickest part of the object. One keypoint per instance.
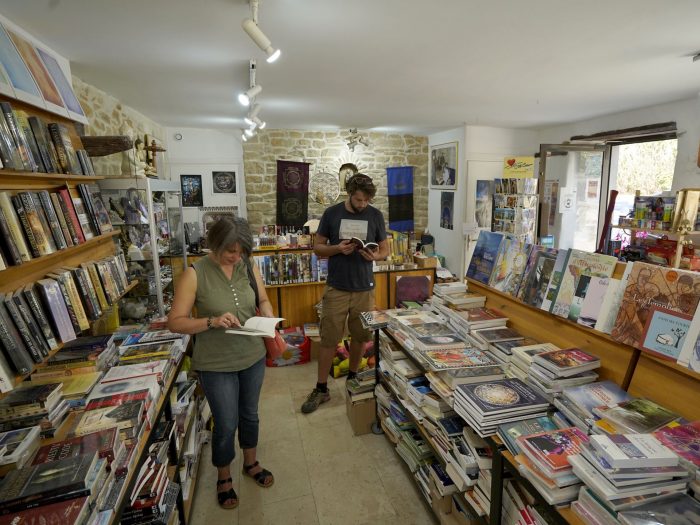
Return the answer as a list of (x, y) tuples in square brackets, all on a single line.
[(394, 65)]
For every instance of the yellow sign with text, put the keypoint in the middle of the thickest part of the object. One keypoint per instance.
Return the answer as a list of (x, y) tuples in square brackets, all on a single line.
[(519, 167)]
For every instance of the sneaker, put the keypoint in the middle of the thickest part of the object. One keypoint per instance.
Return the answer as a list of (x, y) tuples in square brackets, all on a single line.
[(316, 397)]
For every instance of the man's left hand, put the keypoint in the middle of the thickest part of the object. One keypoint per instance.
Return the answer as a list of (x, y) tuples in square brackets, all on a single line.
[(368, 255)]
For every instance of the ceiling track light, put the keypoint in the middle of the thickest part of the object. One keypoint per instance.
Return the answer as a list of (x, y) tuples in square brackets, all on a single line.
[(250, 26), (245, 98), (696, 57)]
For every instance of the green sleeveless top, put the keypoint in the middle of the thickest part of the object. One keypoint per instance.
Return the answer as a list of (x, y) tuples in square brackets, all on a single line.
[(214, 349)]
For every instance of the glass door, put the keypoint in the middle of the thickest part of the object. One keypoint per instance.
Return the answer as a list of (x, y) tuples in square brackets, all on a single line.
[(574, 189)]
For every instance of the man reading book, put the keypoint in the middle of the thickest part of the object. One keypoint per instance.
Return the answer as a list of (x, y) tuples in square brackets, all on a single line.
[(350, 284)]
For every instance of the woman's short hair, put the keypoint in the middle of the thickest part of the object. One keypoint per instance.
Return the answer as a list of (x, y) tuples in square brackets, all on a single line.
[(363, 183), (226, 232)]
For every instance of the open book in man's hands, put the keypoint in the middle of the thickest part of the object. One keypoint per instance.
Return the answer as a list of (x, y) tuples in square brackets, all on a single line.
[(362, 245), (257, 326)]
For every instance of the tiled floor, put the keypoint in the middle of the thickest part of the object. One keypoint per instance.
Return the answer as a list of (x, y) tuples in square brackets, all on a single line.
[(323, 473)]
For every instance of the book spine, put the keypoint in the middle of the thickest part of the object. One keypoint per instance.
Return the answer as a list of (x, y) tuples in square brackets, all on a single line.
[(7, 241), (8, 151), (13, 344), (61, 152), (73, 165), (55, 496), (28, 136), (116, 275), (40, 236), (6, 375), (52, 218), (96, 284), (86, 287), (23, 330), (20, 143), (44, 220), (77, 304), (40, 316), (23, 310), (58, 314), (38, 128), (81, 160), (27, 229), (62, 219), (72, 216), (61, 280), (14, 226), (90, 207)]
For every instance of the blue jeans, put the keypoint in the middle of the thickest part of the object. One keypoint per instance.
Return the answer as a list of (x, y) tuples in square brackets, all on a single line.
[(233, 398)]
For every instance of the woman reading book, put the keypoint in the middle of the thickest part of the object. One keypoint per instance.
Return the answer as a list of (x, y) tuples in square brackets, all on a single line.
[(225, 289)]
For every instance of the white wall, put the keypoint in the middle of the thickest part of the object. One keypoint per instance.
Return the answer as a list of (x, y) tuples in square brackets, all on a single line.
[(481, 153), (449, 243), (204, 150), (686, 113)]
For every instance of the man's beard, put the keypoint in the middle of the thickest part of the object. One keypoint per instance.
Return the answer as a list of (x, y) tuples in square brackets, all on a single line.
[(356, 210)]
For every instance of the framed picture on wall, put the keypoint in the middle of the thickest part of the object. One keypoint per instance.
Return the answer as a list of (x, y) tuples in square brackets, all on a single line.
[(443, 166), (447, 204), (191, 187), (222, 185)]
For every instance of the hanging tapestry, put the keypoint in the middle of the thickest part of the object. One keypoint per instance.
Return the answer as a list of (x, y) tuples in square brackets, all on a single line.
[(292, 193), (400, 190)]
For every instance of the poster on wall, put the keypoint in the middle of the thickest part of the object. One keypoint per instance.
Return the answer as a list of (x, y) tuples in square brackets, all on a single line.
[(518, 167), (191, 186), (443, 166), (447, 204), (18, 72), (292, 193), (484, 198)]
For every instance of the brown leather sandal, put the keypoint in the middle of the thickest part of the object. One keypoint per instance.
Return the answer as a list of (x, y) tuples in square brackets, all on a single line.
[(223, 497), (260, 477)]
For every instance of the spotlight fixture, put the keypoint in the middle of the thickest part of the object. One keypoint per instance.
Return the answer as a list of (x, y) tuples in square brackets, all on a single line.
[(250, 131), (253, 115), (245, 98), (244, 138), (250, 26), (259, 123)]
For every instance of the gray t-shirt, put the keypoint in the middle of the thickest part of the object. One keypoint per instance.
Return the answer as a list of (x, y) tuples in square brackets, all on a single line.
[(352, 272)]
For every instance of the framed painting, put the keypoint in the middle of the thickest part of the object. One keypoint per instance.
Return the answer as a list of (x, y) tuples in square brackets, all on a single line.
[(447, 204), (191, 187), (443, 166)]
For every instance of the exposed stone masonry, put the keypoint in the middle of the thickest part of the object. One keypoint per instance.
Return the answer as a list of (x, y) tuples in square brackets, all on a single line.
[(327, 151)]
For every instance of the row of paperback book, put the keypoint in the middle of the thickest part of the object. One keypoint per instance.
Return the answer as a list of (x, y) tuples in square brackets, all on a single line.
[(38, 223), (515, 403), (291, 268), (83, 472), (650, 307), (38, 317), (28, 143)]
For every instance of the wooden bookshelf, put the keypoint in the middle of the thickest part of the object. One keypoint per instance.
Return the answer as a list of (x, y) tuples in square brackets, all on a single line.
[(93, 249), (543, 326), (21, 377)]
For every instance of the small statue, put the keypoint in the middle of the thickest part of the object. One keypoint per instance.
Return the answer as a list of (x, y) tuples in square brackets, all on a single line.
[(142, 167)]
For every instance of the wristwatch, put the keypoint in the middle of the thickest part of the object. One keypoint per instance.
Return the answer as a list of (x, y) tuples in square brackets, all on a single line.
[(209, 320)]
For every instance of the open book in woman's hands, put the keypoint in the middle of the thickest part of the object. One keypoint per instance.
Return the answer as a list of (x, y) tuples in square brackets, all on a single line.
[(257, 326), (362, 245)]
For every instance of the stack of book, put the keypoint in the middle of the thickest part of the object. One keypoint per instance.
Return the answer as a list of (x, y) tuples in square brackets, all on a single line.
[(503, 350), (18, 447), (87, 354), (419, 390), (413, 448), (484, 337), (484, 406), (684, 440), (636, 415), (362, 385), (76, 388), (29, 405), (675, 509), (57, 482), (544, 462), (522, 358), (576, 403), (510, 432), (624, 466), (552, 371)]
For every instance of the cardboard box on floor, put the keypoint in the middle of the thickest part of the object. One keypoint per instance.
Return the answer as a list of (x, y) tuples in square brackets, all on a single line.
[(361, 414)]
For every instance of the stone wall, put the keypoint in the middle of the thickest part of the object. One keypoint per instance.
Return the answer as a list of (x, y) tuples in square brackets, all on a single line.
[(327, 151), (108, 116)]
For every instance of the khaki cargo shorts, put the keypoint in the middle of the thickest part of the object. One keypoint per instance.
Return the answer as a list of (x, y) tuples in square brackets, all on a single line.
[(340, 306)]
